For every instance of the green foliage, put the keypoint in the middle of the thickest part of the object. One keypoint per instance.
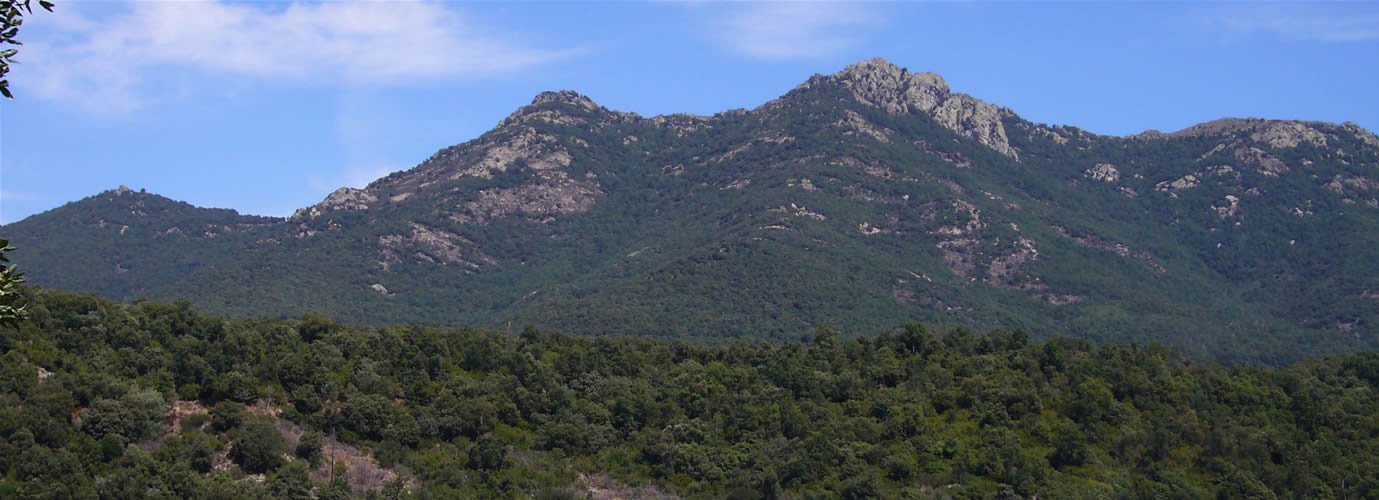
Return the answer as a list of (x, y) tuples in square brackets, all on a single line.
[(692, 235), (472, 414), (309, 447), (258, 447), (228, 415), (290, 482), (11, 18), (133, 417), (487, 454), (11, 309)]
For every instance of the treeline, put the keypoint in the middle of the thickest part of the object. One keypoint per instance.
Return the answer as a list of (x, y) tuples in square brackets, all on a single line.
[(89, 390)]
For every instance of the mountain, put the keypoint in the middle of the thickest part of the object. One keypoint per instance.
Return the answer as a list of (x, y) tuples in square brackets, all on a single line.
[(860, 200)]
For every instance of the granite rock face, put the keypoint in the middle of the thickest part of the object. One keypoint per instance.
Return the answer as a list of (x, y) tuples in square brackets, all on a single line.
[(897, 91), (1103, 172)]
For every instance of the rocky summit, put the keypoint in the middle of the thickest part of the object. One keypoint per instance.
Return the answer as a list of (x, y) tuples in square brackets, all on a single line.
[(859, 201)]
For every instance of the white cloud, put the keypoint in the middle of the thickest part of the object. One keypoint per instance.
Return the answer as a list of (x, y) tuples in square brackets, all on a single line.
[(1342, 22), (99, 64), (796, 30)]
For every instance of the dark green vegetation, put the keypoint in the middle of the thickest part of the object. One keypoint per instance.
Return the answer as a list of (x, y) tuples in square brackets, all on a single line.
[(85, 386), (11, 308), (12, 14), (862, 200)]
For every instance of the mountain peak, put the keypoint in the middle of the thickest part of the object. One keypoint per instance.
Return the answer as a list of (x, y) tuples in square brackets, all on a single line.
[(879, 83), (566, 97), (538, 111), (879, 71)]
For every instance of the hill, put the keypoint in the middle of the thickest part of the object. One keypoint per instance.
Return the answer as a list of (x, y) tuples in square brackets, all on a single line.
[(104, 400), (868, 198)]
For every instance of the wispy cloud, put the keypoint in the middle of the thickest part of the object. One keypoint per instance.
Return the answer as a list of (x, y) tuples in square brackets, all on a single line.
[(1339, 22), (795, 30), (99, 64)]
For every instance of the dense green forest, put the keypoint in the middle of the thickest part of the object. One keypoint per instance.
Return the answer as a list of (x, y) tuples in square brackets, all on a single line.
[(151, 400), (1239, 241)]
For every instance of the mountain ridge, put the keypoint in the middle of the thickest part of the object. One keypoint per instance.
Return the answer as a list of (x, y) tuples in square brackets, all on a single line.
[(861, 199), (871, 69)]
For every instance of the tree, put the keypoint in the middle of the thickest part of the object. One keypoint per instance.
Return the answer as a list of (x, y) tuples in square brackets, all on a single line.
[(133, 417), (487, 454), (338, 489), (1069, 448), (227, 415), (291, 481), (309, 447), (11, 311), (316, 325), (11, 17), (259, 447)]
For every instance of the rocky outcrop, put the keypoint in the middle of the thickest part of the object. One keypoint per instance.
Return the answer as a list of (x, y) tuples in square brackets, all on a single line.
[(879, 83), (495, 152), (1343, 184), (1006, 269), (971, 254), (1281, 134), (737, 184), (565, 97), (978, 120), (539, 111), (1228, 207), (538, 151), (1103, 172), (522, 138), (1090, 240), (1188, 181), (953, 157), (1215, 128), (348, 199), (799, 211), (343, 199), (430, 245), (1351, 188), (805, 184), (1059, 134), (854, 125), (1360, 133), (1223, 171), (743, 147), (870, 168), (1274, 134), (1262, 161), (682, 124), (550, 194)]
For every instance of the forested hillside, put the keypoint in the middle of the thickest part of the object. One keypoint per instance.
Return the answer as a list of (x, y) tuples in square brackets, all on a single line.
[(150, 400), (862, 200)]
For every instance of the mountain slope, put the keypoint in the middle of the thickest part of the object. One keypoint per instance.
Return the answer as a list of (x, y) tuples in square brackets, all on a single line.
[(121, 243), (861, 200), (906, 415)]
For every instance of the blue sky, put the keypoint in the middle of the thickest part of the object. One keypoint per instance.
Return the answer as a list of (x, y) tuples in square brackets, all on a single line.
[(267, 107)]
